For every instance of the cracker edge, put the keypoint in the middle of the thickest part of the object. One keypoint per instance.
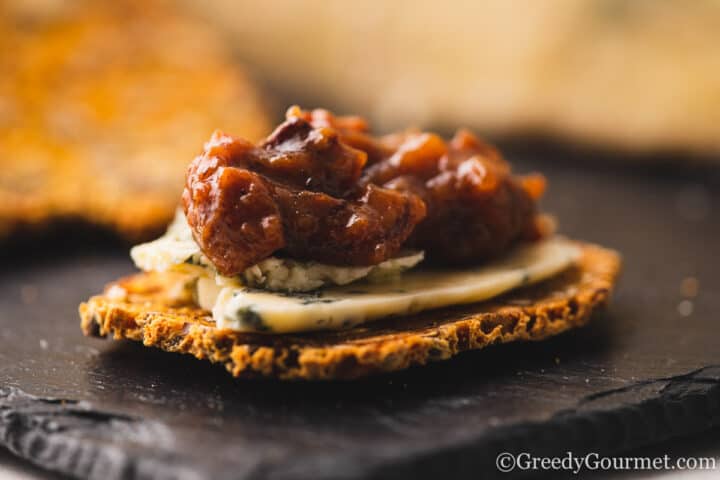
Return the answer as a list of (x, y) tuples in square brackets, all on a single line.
[(185, 330)]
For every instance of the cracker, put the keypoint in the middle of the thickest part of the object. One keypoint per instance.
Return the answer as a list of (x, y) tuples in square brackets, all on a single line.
[(147, 312), (102, 107)]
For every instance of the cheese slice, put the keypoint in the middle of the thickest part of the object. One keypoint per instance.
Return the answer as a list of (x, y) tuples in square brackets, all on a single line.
[(244, 309)]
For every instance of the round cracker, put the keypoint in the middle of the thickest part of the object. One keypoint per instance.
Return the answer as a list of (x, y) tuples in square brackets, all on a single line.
[(146, 311)]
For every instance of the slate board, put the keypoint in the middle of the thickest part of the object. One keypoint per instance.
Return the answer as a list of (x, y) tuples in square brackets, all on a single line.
[(644, 371)]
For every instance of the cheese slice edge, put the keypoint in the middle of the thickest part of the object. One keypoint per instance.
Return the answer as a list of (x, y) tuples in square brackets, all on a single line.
[(252, 310)]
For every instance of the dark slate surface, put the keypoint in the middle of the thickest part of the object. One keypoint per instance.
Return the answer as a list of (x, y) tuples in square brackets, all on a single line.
[(646, 370)]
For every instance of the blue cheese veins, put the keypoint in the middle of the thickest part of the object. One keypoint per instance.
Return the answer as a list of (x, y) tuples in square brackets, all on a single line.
[(288, 275), (245, 309)]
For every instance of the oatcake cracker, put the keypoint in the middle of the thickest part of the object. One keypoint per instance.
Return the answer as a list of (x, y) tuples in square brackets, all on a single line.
[(101, 106), (145, 308)]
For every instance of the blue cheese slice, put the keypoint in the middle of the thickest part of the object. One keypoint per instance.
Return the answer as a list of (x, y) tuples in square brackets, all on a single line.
[(251, 310), (288, 275)]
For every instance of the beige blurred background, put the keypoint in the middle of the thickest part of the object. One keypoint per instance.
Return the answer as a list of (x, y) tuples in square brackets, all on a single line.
[(641, 75)]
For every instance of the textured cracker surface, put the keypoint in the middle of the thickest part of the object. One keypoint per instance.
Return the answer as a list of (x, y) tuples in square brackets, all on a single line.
[(148, 315), (100, 113)]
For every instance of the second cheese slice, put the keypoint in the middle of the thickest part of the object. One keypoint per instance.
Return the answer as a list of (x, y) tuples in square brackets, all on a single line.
[(244, 309)]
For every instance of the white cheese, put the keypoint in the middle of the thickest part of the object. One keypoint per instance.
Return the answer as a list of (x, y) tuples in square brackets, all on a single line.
[(244, 309), (174, 251)]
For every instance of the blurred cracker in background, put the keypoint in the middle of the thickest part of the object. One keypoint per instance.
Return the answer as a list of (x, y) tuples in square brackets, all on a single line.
[(102, 107), (640, 76)]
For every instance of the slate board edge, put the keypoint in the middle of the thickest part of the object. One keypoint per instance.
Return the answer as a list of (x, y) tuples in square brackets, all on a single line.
[(77, 439), (44, 432), (685, 404)]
